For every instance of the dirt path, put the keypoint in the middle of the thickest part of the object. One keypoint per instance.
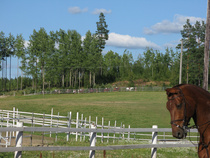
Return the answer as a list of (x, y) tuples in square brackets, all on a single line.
[(35, 140)]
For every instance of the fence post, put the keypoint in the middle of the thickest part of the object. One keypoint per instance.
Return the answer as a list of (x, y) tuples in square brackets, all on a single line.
[(51, 121), (81, 133), (19, 139), (92, 142), (85, 127), (43, 132), (7, 133), (56, 133), (129, 133), (89, 125), (108, 133), (154, 141), (13, 121), (77, 125), (123, 134), (102, 134), (69, 126), (115, 125)]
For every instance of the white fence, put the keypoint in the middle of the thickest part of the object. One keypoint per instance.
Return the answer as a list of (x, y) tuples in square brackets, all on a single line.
[(80, 127), (10, 118), (92, 147)]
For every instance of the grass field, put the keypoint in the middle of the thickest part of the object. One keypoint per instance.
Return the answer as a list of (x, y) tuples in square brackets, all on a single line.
[(138, 109)]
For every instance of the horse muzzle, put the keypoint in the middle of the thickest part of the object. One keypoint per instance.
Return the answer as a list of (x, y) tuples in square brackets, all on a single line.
[(179, 133)]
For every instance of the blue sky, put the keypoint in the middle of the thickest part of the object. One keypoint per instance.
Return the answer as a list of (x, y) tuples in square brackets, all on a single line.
[(133, 24)]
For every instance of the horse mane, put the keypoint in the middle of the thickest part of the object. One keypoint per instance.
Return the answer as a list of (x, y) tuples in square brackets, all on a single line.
[(179, 85), (201, 90)]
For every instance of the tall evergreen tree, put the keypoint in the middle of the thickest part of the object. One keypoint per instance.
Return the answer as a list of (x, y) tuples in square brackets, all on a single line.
[(102, 31)]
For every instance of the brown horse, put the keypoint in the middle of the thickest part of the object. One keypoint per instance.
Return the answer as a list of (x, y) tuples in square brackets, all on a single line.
[(185, 102)]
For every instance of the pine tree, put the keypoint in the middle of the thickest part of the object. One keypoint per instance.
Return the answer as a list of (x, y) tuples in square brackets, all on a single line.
[(102, 32), (102, 35)]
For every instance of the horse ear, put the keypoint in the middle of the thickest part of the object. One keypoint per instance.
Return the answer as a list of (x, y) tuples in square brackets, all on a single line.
[(168, 91)]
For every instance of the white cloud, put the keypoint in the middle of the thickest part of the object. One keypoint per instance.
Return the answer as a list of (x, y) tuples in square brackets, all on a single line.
[(77, 10), (172, 44), (126, 41), (98, 11), (171, 27), (182, 19)]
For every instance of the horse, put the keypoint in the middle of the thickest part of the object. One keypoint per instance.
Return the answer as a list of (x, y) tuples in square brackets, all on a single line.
[(187, 101)]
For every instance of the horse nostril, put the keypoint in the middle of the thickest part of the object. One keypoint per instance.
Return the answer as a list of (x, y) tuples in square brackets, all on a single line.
[(179, 135)]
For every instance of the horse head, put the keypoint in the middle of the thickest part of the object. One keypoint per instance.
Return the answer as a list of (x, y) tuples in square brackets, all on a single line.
[(180, 116), (187, 101)]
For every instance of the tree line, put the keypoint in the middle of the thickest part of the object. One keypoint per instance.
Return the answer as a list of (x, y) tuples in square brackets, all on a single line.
[(63, 59)]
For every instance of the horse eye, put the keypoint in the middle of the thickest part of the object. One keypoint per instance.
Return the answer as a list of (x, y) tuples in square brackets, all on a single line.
[(179, 105)]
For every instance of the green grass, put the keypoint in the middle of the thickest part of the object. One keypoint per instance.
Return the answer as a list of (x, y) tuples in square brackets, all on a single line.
[(138, 109)]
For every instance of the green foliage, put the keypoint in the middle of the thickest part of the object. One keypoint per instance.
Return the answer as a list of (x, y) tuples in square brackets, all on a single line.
[(62, 59), (7, 155), (102, 32), (193, 37)]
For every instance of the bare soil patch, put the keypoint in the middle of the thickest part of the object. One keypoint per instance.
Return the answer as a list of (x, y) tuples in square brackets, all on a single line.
[(35, 140)]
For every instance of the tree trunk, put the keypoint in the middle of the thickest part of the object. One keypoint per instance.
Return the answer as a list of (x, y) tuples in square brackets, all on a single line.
[(79, 79), (206, 49), (94, 79), (21, 86), (90, 78), (33, 83), (43, 79), (82, 78), (67, 80), (70, 79), (6, 76), (10, 73), (63, 80), (17, 72), (75, 78), (36, 77)]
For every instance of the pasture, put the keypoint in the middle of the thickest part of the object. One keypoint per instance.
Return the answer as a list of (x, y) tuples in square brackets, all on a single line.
[(137, 109)]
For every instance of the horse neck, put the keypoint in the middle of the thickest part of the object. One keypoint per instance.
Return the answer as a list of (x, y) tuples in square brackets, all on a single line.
[(200, 102)]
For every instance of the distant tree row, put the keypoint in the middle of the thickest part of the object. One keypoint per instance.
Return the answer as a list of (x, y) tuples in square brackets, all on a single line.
[(63, 59)]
